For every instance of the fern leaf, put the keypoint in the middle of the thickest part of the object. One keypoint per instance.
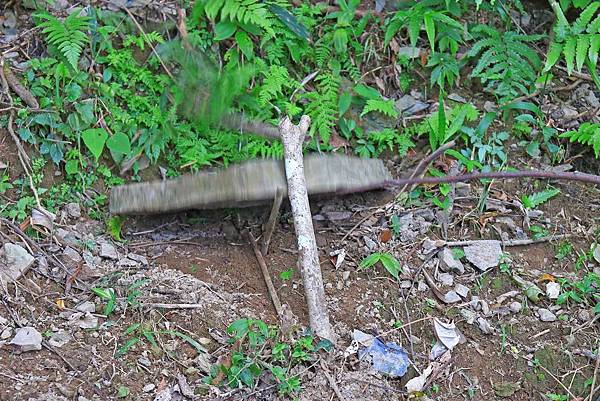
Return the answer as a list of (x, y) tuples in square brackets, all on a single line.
[(594, 26), (585, 17), (569, 52), (594, 50), (386, 107), (68, 36), (587, 134), (538, 198), (583, 43), (554, 52)]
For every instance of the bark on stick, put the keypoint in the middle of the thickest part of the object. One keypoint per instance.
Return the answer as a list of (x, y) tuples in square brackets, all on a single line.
[(292, 137)]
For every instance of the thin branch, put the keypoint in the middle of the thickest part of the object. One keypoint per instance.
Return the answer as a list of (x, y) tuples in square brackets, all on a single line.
[(270, 226), (502, 175)]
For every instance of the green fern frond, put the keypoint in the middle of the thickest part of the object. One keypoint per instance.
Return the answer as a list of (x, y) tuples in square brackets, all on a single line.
[(386, 107), (276, 80), (323, 107), (69, 36), (587, 134), (506, 64), (253, 12)]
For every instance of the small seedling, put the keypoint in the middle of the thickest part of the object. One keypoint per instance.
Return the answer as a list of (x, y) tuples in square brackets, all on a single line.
[(108, 295), (538, 198), (286, 275), (390, 263), (563, 250)]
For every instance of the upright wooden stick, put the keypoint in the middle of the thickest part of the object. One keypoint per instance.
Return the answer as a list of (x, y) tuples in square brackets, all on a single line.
[(270, 225), (292, 137)]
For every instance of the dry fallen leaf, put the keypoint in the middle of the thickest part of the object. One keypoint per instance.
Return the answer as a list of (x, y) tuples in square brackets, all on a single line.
[(385, 236)]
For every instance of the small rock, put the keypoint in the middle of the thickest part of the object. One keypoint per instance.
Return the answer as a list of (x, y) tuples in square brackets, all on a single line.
[(71, 257), (484, 254), (461, 290), (126, 262), (10, 19), (515, 307), (448, 263), (408, 105), (457, 98), (83, 320), (485, 308), (422, 286), (404, 284), (409, 51), (584, 315), (28, 339), (345, 275), (142, 360), (6, 333), (446, 279), (138, 258), (468, 315), (451, 297), (14, 262), (369, 243), (429, 246), (545, 315), (108, 251), (59, 338), (489, 106), (73, 210), (148, 388), (87, 306), (484, 326), (552, 290)]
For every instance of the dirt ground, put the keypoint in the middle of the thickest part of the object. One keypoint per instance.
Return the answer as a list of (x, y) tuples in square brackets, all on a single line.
[(199, 258)]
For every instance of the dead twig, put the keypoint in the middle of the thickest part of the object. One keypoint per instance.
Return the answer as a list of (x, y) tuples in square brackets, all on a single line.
[(173, 306), (270, 225), (332, 382), (595, 376), (19, 89), (503, 175), (513, 242), (265, 273)]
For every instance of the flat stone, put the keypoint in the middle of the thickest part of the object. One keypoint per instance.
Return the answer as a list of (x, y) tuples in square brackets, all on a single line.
[(515, 307), (545, 315), (148, 388), (552, 290), (71, 257), (370, 244), (461, 290), (6, 333), (86, 306), (14, 262), (446, 279), (484, 254), (28, 339), (108, 251), (484, 326), (448, 263), (451, 297), (468, 315)]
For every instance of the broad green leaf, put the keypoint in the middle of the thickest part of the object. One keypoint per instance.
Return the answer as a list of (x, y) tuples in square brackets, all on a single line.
[(367, 92), (290, 21), (245, 44), (554, 53), (430, 29), (72, 167), (224, 30), (569, 52), (188, 339), (94, 139), (583, 43), (391, 264), (132, 328), (119, 143), (128, 344), (370, 260), (344, 102), (123, 392)]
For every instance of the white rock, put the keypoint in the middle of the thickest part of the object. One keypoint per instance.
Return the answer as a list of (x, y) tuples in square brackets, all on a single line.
[(515, 307), (148, 387), (87, 306), (138, 258), (451, 297), (484, 326), (484, 254), (552, 290), (469, 315), (446, 279), (14, 262), (461, 290), (545, 315), (108, 251), (28, 339), (448, 263), (6, 333)]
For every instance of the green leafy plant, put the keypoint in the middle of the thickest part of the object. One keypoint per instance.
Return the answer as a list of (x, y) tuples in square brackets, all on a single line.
[(538, 198), (109, 296), (505, 62), (68, 36), (587, 134), (579, 43), (586, 290), (389, 262), (444, 126), (446, 69)]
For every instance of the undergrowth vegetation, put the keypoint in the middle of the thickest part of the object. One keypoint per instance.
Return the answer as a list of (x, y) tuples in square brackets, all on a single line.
[(116, 97)]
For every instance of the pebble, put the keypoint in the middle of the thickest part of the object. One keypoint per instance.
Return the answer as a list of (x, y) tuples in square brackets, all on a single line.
[(28, 339), (446, 279), (345, 275), (14, 262), (148, 387), (484, 326), (451, 297), (87, 306), (583, 315), (138, 258), (462, 290), (370, 244), (108, 251), (73, 210), (469, 315), (6, 333), (515, 307), (545, 315), (448, 263), (484, 254), (142, 360), (552, 290)]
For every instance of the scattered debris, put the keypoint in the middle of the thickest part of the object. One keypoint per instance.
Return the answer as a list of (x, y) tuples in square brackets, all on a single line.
[(388, 358)]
